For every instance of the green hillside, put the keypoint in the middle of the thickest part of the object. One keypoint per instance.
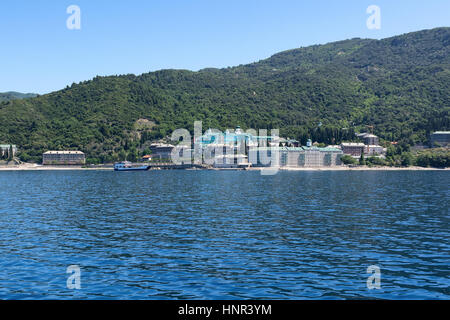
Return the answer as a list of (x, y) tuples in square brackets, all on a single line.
[(400, 85)]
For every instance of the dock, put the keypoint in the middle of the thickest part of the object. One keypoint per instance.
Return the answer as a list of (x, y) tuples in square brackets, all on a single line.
[(173, 166)]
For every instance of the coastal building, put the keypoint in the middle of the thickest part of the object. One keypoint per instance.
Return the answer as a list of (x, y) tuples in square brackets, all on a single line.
[(374, 150), (440, 138), (181, 154), (369, 138), (168, 152), (5, 148), (161, 151), (295, 157), (236, 139), (63, 158), (237, 149), (229, 149), (147, 157), (353, 149), (371, 146), (231, 161), (312, 157), (289, 142)]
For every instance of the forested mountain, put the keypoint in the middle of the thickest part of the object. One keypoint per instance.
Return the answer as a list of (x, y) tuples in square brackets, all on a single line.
[(7, 96), (399, 85)]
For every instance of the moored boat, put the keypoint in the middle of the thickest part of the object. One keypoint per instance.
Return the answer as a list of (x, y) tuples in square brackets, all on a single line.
[(128, 166)]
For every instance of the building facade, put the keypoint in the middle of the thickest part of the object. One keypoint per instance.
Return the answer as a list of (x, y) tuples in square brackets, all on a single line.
[(310, 157), (231, 161), (236, 148), (352, 148), (5, 148), (368, 138), (295, 157), (63, 158), (161, 151), (440, 138), (374, 150)]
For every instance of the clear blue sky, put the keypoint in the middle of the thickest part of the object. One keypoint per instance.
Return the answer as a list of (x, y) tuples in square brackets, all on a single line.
[(39, 54)]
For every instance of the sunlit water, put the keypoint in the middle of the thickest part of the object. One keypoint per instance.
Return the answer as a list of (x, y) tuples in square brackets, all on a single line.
[(224, 234)]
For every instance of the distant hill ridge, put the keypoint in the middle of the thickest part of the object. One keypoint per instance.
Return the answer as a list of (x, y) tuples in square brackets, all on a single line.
[(11, 95), (399, 85)]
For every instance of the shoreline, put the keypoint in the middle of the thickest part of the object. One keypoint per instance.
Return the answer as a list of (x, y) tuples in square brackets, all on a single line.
[(35, 167), (364, 168)]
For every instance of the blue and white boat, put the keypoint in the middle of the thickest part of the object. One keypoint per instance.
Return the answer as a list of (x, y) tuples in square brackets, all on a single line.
[(128, 166)]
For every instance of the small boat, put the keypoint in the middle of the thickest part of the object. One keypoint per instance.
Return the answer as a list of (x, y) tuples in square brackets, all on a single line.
[(128, 166)]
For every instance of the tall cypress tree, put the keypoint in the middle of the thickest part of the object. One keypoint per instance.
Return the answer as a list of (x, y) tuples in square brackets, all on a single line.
[(11, 153), (362, 162)]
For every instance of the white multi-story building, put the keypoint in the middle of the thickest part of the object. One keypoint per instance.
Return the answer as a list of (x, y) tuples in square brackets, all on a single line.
[(296, 157)]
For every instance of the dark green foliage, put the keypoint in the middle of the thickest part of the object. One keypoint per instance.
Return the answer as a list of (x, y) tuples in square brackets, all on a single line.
[(439, 158), (400, 85), (407, 159), (347, 159), (145, 152), (133, 155), (376, 161), (362, 161)]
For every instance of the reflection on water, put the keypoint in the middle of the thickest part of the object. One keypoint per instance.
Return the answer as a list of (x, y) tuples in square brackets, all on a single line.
[(224, 235)]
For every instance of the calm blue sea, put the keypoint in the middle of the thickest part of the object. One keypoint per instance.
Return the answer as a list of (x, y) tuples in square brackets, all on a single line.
[(224, 234)]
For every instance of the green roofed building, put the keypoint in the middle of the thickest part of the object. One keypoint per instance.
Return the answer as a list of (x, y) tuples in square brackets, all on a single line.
[(265, 151)]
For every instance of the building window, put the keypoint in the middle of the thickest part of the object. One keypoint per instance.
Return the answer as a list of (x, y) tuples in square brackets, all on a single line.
[(327, 159), (301, 160), (283, 159)]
